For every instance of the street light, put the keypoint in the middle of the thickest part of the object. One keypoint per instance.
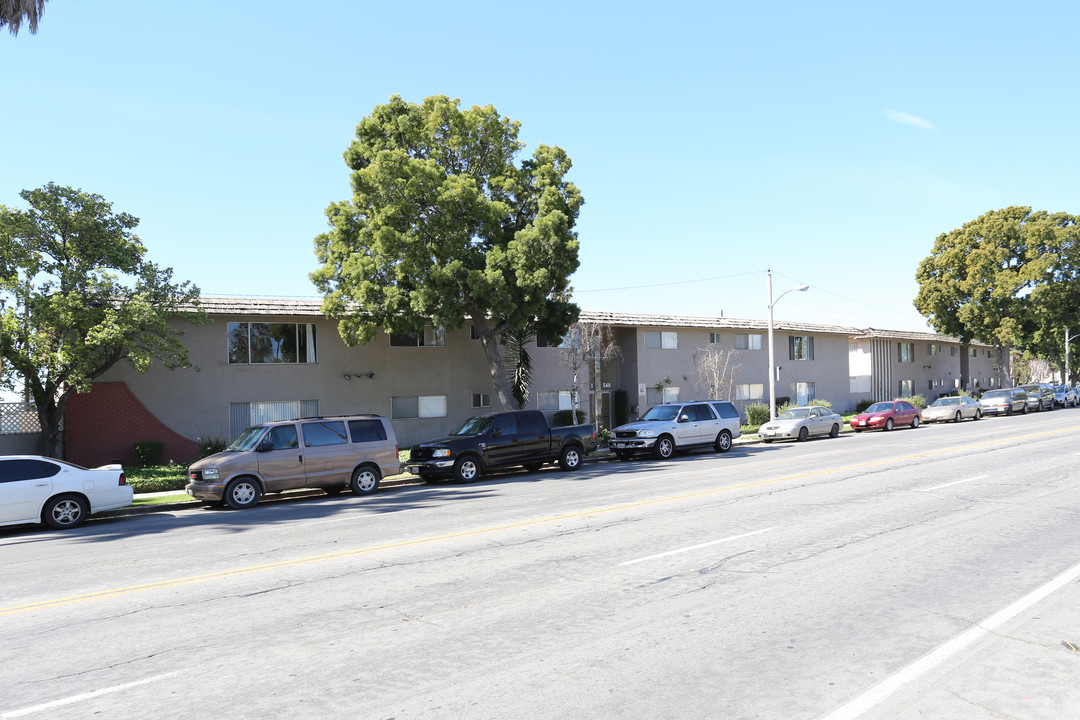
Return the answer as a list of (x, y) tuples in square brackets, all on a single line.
[(772, 352)]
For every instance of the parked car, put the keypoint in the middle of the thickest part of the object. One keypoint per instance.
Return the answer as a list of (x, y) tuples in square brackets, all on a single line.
[(500, 440), (1040, 396), (1065, 396), (330, 453), (887, 415), (802, 423), (663, 429), (1004, 401), (60, 494), (952, 408)]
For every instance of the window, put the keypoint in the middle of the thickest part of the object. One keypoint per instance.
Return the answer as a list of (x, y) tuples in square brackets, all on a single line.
[(474, 334), (752, 391), (26, 469), (803, 392), (973, 352), (906, 388), (554, 400), (418, 406), (283, 437), (662, 339), (726, 410), (324, 432), (668, 395), (270, 343), (367, 430), (747, 341), (956, 382), (431, 337), (244, 415), (800, 347), (905, 352), (933, 349), (481, 400), (954, 351), (714, 338), (936, 384)]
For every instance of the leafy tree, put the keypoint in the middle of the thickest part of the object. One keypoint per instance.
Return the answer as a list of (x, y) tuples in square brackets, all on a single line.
[(84, 299), (977, 282), (516, 341), (444, 226), (13, 12)]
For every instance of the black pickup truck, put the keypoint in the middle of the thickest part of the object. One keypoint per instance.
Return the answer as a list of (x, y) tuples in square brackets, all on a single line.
[(499, 440)]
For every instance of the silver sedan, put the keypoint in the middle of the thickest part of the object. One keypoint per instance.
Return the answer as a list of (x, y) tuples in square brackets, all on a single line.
[(954, 409), (802, 423)]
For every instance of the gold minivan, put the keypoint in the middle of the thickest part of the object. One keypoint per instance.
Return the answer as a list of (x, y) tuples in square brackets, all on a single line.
[(330, 453)]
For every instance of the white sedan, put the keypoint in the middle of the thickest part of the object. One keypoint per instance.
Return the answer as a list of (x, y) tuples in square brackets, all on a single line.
[(952, 408), (802, 423), (40, 489)]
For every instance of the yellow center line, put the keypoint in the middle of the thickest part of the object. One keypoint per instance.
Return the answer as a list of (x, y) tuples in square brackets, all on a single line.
[(131, 589)]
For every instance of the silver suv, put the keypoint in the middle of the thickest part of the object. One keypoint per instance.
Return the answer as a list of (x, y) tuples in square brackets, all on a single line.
[(678, 426), (331, 453)]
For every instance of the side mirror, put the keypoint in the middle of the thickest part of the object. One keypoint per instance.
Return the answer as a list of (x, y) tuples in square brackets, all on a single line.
[(265, 445), (684, 418)]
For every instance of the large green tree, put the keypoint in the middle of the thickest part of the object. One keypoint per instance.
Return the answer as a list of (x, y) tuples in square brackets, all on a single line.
[(984, 280), (80, 298), (445, 225)]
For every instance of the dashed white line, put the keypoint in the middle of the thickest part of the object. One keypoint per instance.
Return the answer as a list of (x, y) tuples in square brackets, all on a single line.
[(887, 687), (958, 482), (85, 696), (695, 547)]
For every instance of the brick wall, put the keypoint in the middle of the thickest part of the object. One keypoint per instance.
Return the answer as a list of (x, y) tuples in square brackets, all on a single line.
[(101, 425)]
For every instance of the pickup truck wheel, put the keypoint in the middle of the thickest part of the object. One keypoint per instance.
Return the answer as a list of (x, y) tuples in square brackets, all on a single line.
[(723, 442), (466, 469), (570, 458), (365, 480), (664, 447)]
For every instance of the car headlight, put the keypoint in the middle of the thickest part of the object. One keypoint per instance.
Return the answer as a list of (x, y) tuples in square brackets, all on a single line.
[(441, 452), (211, 474), (646, 433), (876, 418)]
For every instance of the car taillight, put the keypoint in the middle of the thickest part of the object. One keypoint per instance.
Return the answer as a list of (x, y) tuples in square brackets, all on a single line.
[(123, 479)]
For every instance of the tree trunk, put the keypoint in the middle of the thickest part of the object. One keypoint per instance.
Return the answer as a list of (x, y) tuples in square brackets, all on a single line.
[(51, 417), (500, 378)]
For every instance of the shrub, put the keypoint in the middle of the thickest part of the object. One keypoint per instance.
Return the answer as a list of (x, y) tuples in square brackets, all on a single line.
[(566, 417), (603, 437), (757, 414), (147, 453), (209, 446), (821, 403), (158, 478), (781, 409), (860, 407), (918, 401)]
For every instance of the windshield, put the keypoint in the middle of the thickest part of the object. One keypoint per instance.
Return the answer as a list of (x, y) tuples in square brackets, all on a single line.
[(795, 414), (942, 402), (1061, 389), (246, 440), (996, 394), (662, 413), (880, 407), (475, 426)]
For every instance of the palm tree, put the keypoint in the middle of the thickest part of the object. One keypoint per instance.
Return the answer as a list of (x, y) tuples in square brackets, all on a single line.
[(13, 12), (516, 341)]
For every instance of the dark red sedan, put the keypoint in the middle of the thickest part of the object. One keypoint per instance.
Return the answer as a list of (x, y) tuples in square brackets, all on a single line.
[(887, 415)]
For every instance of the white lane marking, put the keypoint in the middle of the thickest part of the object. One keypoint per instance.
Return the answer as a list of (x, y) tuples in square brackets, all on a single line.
[(958, 482), (695, 547), (85, 696), (879, 692)]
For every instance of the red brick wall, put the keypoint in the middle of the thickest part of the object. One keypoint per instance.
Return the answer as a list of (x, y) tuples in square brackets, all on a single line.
[(101, 425)]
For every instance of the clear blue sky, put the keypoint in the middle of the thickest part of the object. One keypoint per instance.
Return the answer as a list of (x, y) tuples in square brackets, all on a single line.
[(831, 142)]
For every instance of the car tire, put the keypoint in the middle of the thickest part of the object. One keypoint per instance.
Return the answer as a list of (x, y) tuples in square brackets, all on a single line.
[(466, 469), (365, 480), (243, 493), (888, 424), (65, 511), (959, 416), (978, 414), (1025, 411), (723, 442), (570, 458), (915, 422), (664, 447), (834, 432), (804, 434)]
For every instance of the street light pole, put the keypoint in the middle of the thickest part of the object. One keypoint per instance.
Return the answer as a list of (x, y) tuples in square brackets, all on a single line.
[(772, 352), (1065, 380)]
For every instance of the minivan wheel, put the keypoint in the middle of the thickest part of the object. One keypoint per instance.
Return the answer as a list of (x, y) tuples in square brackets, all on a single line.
[(664, 447), (242, 493), (365, 480), (723, 442), (466, 469)]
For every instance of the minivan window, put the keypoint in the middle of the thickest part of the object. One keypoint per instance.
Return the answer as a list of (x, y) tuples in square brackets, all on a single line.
[(325, 432), (283, 437), (246, 440), (366, 430)]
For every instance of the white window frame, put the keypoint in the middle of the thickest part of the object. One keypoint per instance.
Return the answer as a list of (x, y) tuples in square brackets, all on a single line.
[(747, 341)]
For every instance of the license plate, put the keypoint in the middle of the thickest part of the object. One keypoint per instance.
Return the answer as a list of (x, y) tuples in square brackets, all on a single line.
[(862, 423)]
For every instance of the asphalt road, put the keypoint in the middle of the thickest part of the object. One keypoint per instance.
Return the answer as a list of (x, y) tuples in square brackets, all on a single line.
[(927, 573)]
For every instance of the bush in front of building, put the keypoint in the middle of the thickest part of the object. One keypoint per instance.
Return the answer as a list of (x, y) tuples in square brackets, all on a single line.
[(147, 453), (209, 446), (757, 414), (918, 401)]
